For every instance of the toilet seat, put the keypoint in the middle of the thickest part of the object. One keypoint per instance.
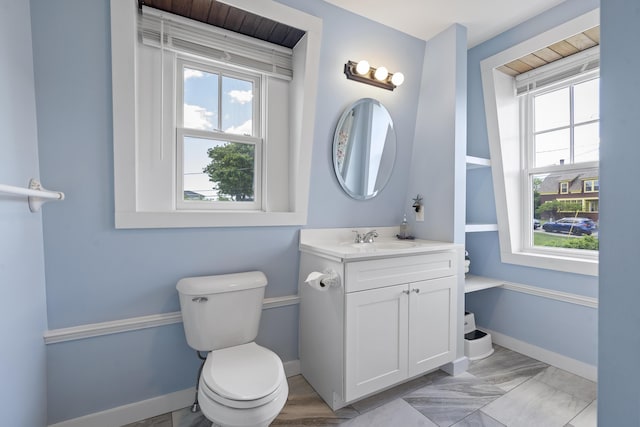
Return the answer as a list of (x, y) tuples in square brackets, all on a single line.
[(243, 376)]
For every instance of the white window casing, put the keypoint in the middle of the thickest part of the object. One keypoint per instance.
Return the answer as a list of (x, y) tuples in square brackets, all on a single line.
[(145, 129), (511, 186)]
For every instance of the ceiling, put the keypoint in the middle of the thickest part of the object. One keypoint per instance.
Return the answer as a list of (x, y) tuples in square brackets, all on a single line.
[(424, 19), (561, 49), (230, 18), (420, 18)]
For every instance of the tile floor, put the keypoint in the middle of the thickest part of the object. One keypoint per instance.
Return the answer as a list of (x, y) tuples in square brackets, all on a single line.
[(505, 389)]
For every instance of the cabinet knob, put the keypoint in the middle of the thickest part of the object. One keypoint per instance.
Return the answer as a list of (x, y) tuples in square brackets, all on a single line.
[(405, 292), (416, 290)]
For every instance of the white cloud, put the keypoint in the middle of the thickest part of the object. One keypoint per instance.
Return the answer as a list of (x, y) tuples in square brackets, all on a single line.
[(241, 96), (244, 129), (189, 73), (197, 117)]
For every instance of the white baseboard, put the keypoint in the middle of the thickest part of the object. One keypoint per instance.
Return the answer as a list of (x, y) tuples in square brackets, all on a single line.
[(456, 367), (153, 407), (568, 364), (292, 368), (133, 412)]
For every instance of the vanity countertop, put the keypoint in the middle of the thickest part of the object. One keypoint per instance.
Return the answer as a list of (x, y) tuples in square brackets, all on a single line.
[(339, 243)]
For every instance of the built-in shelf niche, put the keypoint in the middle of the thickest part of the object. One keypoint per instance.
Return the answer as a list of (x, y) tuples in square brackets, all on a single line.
[(477, 228), (477, 163), (473, 283)]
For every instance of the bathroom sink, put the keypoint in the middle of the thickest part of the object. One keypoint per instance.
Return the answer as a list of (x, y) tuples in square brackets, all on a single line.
[(394, 245), (381, 245), (340, 243)]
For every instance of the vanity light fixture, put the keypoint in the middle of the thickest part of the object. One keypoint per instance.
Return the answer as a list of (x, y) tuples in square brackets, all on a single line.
[(380, 77)]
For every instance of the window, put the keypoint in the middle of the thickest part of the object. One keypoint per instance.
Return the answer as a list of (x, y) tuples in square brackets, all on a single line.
[(211, 128), (542, 129), (564, 187), (591, 186), (219, 138), (561, 145)]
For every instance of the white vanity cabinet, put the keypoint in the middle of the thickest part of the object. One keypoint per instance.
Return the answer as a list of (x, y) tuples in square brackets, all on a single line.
[(391, 319), (397, 332)]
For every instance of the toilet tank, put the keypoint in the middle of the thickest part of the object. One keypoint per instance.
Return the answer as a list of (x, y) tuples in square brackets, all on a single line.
[(221, 311)]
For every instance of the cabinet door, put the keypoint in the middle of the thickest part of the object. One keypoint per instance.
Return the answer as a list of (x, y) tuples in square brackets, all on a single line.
[(375, 339), (432, 324)]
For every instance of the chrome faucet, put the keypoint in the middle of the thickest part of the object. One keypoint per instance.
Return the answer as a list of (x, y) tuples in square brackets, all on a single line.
[(365, 238), (368, 237)]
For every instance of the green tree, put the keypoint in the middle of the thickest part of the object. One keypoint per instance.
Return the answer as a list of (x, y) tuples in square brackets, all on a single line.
[(556, 206), (537, 182), (232, 169)]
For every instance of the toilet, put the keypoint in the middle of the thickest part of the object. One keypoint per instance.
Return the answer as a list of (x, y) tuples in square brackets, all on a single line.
[(241, 383)]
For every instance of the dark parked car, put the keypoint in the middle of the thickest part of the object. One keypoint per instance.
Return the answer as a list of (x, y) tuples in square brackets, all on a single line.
[(536, 223), (575, 226)]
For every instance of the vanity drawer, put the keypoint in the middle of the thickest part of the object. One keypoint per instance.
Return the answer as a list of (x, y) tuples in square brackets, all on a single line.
[(363, 275)]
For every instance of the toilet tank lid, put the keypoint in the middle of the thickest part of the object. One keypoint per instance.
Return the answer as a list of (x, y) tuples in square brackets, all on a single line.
[(221, 283)]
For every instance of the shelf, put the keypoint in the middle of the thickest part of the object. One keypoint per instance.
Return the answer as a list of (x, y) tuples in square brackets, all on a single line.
[(477, 162), (474, 283), (476, 228)]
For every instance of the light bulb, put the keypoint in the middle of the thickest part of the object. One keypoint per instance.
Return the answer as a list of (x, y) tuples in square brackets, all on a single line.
[(362, 68), (397, 79), (381, 73)]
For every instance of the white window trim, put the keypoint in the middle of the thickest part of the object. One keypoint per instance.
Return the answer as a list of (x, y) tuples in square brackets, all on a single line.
[(306, 60), (506, 157)]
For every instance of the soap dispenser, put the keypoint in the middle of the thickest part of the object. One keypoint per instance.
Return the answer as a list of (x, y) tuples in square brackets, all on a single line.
[(404, 228)]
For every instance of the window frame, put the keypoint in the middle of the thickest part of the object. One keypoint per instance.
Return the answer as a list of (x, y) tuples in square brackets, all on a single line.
[(595, 185), (502, 114), (530, 170), (566, 187), (182, 132)]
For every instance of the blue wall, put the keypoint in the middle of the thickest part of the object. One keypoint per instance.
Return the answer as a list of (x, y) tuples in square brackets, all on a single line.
[(96, 273), (440, 140), (619, 316), (22, 305), (524, 317)]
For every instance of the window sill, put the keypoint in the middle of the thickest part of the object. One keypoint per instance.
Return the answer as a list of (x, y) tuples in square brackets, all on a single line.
[(588, 267), (193, 219)]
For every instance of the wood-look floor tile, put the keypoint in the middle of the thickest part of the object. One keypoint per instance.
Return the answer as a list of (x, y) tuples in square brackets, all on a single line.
[(394, 413), (163, 420), (451, 399), (587, 418), (505, 389), (535, 404), (506, 368), (394, 393), (305, 407), (185, 418), (570, 383), (478, 419)]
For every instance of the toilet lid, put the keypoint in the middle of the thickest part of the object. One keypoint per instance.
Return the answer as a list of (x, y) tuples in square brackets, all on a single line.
[(243, 372)]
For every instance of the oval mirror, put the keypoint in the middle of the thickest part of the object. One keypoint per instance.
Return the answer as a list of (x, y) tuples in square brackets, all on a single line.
[(364, 149)]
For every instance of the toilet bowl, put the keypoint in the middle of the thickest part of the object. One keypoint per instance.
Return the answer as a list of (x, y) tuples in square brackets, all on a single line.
[(242, 384)]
